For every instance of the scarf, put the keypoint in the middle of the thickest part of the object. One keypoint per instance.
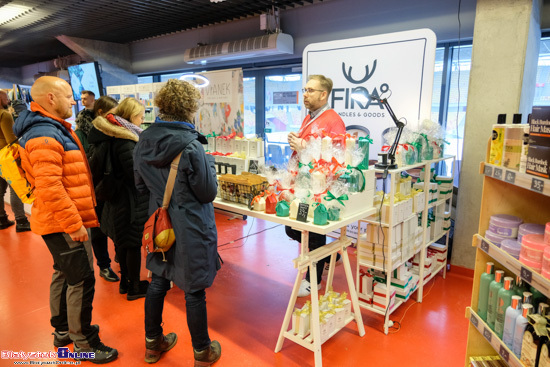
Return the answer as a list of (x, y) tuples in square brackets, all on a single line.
[(119, 121)]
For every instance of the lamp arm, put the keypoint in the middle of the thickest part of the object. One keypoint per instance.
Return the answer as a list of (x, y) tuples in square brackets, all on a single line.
[(400, 125)]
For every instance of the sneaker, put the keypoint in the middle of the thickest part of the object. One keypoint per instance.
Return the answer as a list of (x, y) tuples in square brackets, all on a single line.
[(23, 226), (337, 262), (103, 353), (108, 274), (305, 288), (63, 339), (154, 348), (5, 222), (209, 356)]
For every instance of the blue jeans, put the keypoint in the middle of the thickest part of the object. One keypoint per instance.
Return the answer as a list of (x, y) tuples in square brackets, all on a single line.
[(195, 305)]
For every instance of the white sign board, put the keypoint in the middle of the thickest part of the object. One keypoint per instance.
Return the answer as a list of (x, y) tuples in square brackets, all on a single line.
[(397, 66)]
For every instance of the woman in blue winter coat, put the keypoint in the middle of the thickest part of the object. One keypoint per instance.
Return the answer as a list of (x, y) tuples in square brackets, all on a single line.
[(193, 261)]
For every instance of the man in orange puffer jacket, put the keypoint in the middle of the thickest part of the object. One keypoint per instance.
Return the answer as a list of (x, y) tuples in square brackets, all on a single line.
[(56, 165)]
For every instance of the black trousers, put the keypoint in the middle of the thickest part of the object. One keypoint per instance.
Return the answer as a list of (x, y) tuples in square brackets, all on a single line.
[(316, 240)]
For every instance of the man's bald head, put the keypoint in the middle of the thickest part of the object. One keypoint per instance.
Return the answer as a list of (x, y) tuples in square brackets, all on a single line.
[(4, 100), (54, 95)]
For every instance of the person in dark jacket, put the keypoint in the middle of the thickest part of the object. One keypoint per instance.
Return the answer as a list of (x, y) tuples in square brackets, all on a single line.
[(193, 261), (102, 107), (112, 142)]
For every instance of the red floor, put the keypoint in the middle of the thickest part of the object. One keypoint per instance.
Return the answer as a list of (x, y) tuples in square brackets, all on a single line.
[(246, 306)]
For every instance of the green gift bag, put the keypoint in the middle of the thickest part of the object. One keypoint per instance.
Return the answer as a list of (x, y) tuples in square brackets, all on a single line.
[(333, 213), (320, 215), (282, 209)]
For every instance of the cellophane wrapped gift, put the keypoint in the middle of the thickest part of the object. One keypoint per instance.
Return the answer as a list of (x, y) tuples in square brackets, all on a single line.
[(320, 216)]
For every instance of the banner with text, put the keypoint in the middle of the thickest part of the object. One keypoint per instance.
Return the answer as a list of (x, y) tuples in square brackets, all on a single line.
[(397, 66), (221, 108)]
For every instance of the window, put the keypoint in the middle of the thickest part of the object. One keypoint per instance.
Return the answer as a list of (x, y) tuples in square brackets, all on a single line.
[(542, 87), (249, 95), (283, 108), (145, 79), (165, 77), (449, 98)]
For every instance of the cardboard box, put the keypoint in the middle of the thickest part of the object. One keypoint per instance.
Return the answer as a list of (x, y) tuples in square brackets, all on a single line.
[(537, 161), (539, 126)]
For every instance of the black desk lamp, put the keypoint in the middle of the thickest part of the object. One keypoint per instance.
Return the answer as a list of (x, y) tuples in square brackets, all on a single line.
[(393, 149)]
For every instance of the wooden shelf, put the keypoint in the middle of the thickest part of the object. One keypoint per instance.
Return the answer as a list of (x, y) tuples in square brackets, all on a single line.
[(523, 180), (498, 345), (525, 272), (436, 271)]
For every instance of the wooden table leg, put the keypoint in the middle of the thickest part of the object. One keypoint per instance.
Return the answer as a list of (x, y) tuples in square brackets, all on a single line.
[(289, 310), (353, 293), (315, 327)]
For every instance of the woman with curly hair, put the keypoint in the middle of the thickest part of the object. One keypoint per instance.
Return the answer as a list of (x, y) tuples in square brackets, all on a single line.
[(193, 261), (124, 214)]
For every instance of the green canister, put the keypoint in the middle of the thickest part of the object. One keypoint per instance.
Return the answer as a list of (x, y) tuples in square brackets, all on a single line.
[(496, 285), (483, 298)]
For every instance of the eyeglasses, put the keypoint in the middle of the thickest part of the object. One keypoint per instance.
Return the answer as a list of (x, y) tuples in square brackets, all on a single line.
[(311, 90)]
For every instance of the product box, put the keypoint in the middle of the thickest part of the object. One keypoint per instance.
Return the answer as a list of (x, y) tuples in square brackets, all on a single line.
[(537, 160), (539, 126)]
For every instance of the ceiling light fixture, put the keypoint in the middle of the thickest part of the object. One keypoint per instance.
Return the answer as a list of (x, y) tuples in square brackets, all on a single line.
[(10, 11), (216, 1), (199, 81)]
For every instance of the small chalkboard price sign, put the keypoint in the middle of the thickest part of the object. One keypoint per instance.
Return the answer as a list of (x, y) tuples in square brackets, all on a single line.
[(303, 208)]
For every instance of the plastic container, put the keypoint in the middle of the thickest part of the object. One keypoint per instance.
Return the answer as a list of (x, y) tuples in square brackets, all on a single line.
[(536, 266), (495, 238), (512, 247), (546, 261), (532, 248), (529, 228), (547, 234), (505, 225)]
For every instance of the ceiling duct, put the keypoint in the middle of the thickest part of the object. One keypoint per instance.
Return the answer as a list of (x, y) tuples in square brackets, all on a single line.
[(268, 45)]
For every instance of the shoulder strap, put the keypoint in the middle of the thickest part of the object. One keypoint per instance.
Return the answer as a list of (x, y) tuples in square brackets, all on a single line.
[(171, 180)]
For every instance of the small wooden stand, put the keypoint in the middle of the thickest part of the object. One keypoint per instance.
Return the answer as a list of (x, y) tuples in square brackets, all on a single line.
[(310, 259)]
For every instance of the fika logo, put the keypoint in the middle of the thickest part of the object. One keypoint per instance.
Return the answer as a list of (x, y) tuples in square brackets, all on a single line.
[(343, 95)]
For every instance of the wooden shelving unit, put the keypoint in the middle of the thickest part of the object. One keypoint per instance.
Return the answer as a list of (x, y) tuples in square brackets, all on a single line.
[(515, 193), (393, 175)]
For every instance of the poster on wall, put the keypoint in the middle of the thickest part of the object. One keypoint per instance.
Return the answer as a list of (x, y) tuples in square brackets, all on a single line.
[(397, 66), (221, 108)]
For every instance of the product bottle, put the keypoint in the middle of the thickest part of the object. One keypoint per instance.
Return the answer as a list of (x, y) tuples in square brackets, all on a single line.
[(534, 337), (537, 297), (495, 286), (527, 298), (544, 359), (497, 142), (524, 149), (520, 287), (504, 300), (521, 325), (512, 314), (543, 309), (484, 283)]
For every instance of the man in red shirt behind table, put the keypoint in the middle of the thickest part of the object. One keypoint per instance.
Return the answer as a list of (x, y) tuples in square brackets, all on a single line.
[(320, 118)]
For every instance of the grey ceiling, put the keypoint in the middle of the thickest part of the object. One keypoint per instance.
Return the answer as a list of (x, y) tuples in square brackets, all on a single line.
[(30, 37)]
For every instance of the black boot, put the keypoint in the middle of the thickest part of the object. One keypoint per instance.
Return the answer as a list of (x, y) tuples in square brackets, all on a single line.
[(23, 225), (124, 284), (138, 289), (159, 345), (5, 222)]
